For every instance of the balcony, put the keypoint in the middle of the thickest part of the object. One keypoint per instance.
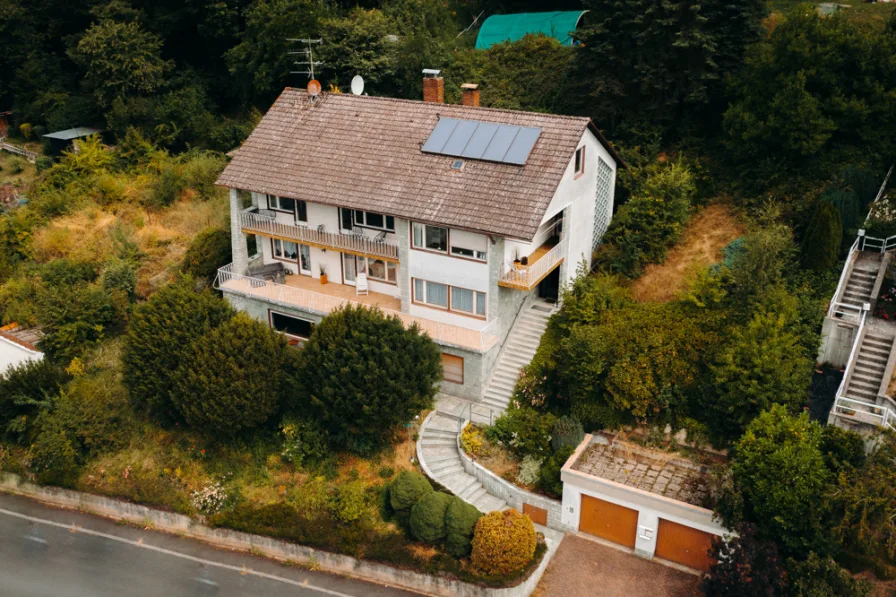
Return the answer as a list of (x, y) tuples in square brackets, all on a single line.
[(255, 221), (542, 261), (297, 292)]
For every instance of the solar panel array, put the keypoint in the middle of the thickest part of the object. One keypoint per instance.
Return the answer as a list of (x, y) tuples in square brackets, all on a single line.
[(478, 140)]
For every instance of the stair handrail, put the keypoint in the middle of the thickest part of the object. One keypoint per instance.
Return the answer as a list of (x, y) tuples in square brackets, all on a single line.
[(853, 250), (850, 364)]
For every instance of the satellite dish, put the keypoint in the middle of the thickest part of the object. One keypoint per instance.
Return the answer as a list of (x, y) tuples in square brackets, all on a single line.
[(313, 88), (358, 85)]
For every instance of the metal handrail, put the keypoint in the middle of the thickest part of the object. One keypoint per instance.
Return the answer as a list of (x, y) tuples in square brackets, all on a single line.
[(853, 250), (850, 364), (474, 339)]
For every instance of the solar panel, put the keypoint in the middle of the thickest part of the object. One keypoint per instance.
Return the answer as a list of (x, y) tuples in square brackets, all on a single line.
[(522, 146), (439, 135), (477, 140)]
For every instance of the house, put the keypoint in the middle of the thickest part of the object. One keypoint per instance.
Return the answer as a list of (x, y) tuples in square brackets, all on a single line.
[(17, 346), (502, 28), (461, 219), (60, 141)]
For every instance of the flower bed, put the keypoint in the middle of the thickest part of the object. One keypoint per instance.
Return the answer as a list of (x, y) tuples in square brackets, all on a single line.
[(886, 301)]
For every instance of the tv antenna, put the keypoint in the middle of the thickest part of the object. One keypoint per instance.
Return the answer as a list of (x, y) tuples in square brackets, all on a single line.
[(308, 54)]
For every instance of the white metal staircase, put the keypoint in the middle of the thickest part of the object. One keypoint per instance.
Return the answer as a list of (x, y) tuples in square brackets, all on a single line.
[(518, 351), (868, 370)]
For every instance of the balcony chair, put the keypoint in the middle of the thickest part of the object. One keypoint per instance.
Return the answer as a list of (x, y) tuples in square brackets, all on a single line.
[(361, 284), (380, 237), (275, 272)]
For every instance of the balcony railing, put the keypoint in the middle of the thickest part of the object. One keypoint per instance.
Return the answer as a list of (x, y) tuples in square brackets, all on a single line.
[(478, 340), (251, 220), (527, 276)]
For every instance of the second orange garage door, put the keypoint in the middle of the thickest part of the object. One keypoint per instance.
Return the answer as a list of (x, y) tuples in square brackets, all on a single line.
[(608, 521), (683, 545)]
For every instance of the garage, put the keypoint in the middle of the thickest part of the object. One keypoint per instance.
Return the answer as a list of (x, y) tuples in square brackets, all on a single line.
[(608, 521), (683, 545)]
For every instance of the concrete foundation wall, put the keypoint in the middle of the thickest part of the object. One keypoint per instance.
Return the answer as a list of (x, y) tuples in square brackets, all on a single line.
[(836, 342)]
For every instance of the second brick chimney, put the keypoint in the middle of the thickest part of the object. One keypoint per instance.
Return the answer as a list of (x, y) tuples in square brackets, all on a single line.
[(433, 86), (470, 94)]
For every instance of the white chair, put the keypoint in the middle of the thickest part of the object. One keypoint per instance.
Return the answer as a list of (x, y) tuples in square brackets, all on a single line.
[(361, 284)]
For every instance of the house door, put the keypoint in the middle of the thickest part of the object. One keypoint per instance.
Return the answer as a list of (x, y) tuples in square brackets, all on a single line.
[(684, 545), (305, 259), (608, 521), (349, 269), (549, 288)]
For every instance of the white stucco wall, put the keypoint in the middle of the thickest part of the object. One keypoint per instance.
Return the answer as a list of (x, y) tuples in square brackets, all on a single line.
[(13, 355)]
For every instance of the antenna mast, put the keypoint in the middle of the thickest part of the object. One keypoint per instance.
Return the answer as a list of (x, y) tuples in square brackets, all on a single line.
[(309, 61)]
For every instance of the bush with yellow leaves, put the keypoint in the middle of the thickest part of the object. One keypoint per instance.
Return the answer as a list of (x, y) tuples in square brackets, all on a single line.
[(503, 542)]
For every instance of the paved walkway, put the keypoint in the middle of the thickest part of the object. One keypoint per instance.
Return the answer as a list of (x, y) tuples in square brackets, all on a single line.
[(584, 568)]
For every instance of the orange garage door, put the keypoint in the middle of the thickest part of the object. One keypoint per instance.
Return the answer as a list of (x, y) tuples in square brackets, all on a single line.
[(608, 521), (683, 545)]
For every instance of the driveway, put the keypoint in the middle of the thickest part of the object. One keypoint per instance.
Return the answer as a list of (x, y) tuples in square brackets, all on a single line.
[(584, 568)]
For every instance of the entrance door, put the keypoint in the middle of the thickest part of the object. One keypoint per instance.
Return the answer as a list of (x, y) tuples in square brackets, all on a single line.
[(608, 521), (683, 545), (305, 259), (349, 271), (549, 288)]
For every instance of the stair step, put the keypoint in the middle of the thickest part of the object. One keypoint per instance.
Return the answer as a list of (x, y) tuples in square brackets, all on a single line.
[(489, 503), (446, 469), (462, 484), (867, 377), (877, 372), (430, 431), (862, 385), (495, 403), (470, 490), (437, 442), (474, 494)]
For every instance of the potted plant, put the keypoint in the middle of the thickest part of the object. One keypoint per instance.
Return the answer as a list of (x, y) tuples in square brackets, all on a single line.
[(524, 261), (323, 274), (516, 259)]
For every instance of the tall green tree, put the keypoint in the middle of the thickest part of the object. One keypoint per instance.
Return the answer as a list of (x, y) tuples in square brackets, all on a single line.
[(362, 373), (362, 42), (160, 336), (821, 244)]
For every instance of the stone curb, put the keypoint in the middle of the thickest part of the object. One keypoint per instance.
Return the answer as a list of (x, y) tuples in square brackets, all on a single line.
[(185, 526)]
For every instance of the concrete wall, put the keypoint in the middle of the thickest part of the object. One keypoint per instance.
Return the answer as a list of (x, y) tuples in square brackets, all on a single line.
[(13, 355), (836, 342), (268, 547), (650, 506)]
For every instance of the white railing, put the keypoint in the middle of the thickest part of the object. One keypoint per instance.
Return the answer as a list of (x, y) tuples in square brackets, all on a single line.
[(479, 340), (264, 224), (529, 275), (29, 155), (838, 307)]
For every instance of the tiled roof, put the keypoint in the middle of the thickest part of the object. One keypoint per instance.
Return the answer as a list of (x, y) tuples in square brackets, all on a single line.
[(364, 153)]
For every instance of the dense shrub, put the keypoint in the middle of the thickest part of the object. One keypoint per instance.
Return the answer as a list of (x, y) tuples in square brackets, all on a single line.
[(822, 577), (549, 477), (54, 460), (847, 204), (351, 501), (524, 431), (746, 566), (209, 250), (120, 275), (233, 378), (363, 374), (567, 432), (460, 520), (428, 517), (24, 390), (503, 542), (530, 470), (472, 440), (161, 334), (304, 442), (842, 450), (407, 488), (823, 237)]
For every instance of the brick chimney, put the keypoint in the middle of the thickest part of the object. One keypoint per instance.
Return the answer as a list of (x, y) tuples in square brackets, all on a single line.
[(470, 95), (433, 86)]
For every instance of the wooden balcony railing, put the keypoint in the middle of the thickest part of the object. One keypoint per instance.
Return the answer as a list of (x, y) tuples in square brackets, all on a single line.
[(354, 244), (527, 277)]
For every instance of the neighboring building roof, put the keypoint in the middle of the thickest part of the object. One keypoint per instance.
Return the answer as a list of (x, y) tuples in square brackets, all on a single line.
[(75, 133), (24, 338), (500, 28), (365, 153)]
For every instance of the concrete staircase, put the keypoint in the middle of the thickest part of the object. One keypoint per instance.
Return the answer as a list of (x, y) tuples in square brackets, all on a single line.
[(860, 284), (518, 351), (440, 455), (869, 368)]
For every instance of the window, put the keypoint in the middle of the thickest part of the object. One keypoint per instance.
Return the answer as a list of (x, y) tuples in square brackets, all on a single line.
[(284, 249), (371, 219), (457, 165), (293, 206), (345, 219), (384, 271), (452, 298), (452, 368), (580, 161), (431, 238), (291, 326)]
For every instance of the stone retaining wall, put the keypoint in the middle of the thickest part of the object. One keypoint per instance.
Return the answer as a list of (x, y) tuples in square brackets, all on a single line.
[(266, 546)]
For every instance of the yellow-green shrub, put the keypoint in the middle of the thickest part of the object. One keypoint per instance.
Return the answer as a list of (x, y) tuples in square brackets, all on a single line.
[(503, 542), (472, 440)]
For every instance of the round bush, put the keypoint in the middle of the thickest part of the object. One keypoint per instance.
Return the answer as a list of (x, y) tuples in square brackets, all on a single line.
[(428, 517), (406, 489), (503, 542), (460, 520)]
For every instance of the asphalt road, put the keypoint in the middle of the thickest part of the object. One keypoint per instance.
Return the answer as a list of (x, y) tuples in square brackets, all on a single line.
[(45, 552)]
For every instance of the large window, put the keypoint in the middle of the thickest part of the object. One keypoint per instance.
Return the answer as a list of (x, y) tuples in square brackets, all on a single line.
[(284, 249), (377, 269), (458, 243), (450, 298), (452, 368), (370, 219), (431, 238), (294, 206), (291, 326)]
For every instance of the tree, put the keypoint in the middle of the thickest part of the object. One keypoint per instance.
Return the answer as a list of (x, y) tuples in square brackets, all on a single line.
[(233, 378), (780, 471), (821, 245), (209, 250), (359, 43), (762, 365), (746, 566), (24, 391), (120, 59), (427, 32), (822, 577), (160, 336), (363, 374)]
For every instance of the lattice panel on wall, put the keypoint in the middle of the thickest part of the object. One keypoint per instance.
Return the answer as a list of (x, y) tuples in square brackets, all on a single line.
[(602, 208)]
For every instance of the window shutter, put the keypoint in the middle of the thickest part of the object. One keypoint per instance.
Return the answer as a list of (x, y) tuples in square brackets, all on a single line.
[(453, 368)]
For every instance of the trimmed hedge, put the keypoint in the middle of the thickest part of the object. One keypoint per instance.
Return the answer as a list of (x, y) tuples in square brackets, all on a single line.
[(460, 520), (503, 542), (428, 517), (407, 489)]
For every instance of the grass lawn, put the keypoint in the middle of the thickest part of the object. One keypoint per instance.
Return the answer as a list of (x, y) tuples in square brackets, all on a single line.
[(8, 174), (707, 233), (872, 12)]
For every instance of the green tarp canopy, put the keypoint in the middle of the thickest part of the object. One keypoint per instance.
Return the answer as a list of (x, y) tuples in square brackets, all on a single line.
[(500, 28)]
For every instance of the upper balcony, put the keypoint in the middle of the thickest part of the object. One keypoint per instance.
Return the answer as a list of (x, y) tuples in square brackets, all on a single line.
[(542, 261), (264, 222)]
